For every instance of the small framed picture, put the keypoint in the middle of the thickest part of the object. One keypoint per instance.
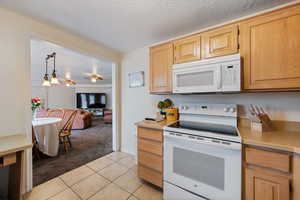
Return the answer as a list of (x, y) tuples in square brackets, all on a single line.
[(136, 79)]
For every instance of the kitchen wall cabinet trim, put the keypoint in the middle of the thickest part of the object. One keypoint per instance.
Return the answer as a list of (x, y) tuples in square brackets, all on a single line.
[(187, 49), (220, 42), (161, 61)]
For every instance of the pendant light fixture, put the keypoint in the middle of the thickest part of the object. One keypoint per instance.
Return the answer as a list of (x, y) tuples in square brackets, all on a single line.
[(46, 81), (95, 77), (69, 82), (54, 79)]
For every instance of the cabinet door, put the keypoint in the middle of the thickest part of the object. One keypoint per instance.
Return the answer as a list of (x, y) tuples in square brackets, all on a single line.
[(270, 47), (296, 177), (220, 42), (187, 49), (264, 185), (161, 60)]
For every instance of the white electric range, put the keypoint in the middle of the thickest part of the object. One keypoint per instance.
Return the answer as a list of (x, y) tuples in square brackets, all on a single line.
[(202, 154)]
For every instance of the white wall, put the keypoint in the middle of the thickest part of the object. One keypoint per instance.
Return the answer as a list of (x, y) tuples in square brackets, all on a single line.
[(15, 85), (140, 104), (15, 80), (65, 97)]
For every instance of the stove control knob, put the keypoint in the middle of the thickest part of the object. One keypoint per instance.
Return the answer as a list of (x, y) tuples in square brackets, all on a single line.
[(184, 107), (232, 110), (226, 109)]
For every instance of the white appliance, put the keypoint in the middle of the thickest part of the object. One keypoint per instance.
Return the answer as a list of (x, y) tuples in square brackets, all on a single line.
[(202, 154), (222, 74)]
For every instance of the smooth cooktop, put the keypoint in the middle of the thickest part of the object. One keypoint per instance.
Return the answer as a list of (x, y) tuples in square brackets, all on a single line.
[(209, 127)]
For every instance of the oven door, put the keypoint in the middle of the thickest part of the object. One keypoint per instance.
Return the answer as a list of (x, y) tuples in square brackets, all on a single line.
[(197, 79), (203, 166)]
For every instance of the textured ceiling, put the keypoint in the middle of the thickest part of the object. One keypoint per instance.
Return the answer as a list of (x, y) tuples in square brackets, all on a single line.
[(128, 24), (68, 63)]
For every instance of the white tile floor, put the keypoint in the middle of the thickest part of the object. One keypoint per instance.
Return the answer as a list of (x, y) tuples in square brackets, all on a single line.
[(113, 177)]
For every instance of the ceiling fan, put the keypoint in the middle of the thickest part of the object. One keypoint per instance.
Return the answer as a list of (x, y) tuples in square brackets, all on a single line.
[(94, 77)]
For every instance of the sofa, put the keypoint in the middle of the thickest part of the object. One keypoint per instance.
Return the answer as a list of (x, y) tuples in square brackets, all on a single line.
[(82, 120), (107, 116)]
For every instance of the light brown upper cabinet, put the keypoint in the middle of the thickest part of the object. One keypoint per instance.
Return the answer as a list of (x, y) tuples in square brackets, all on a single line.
[(220, 42), (270, 46), (187, 49), (161, 60)]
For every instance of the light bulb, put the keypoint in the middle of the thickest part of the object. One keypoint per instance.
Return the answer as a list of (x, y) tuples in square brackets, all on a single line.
[(46, 83), (54, 81), (93, 80)]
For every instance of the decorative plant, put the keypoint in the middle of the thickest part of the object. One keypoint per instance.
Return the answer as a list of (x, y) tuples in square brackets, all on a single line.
[(35, 104), (167, 103)]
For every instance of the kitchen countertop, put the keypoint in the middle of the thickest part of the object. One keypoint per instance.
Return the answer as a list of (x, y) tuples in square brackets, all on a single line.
[(14, 143), (153, 124), (286, 135), (277, 139)]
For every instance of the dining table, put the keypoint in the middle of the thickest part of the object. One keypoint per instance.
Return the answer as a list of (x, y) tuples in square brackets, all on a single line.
[(46, 131)]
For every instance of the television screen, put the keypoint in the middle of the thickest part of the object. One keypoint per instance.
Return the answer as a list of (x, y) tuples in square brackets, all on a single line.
[(91, 100)]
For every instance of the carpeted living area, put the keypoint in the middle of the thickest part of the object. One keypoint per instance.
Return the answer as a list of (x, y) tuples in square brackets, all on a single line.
[(88, 145)]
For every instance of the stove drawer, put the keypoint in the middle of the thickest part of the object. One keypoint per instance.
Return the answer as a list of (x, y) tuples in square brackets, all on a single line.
[(150, 146), (150, 160)]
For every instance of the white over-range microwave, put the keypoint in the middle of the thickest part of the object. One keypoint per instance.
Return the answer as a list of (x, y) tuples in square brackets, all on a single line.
[(222, 74)]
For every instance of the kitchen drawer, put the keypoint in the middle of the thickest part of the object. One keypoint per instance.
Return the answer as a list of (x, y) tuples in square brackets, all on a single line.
[(268, 159), (150, 134), (8, 159), (150, 175), (150, 146), (150, 160)]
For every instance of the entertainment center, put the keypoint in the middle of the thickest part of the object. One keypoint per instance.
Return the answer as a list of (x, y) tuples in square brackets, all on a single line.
[(92, 102)]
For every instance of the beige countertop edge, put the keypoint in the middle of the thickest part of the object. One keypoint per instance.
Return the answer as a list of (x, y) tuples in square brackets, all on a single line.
[(14, 143), (270, 145)]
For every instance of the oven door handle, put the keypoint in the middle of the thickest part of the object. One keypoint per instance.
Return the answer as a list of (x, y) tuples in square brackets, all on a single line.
[(206, 141)]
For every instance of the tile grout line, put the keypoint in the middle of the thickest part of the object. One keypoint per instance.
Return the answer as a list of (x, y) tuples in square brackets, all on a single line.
[(71, 189), (95, 172), (58, 192)]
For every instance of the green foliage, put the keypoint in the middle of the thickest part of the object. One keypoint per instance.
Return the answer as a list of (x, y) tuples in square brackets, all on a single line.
[(161, 105), (167, 103)]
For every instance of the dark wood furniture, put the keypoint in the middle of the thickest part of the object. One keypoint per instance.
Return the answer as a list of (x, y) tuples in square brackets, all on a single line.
[(12, 157)]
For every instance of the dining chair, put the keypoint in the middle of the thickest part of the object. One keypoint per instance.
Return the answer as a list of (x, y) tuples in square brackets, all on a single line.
[(65, 132), (35, 148)]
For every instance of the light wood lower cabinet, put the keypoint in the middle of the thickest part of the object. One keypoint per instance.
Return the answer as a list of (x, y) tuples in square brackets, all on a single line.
[(150, 155), (265, 185), (267, 174), (296, 177)]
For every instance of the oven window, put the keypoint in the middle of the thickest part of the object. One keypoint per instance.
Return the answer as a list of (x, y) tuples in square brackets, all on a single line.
[(203, 168), (195, 79)]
